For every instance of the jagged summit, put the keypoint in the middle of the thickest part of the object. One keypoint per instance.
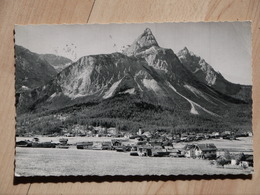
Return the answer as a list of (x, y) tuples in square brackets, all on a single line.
[(185, 51), (198, 66), (144, 41)]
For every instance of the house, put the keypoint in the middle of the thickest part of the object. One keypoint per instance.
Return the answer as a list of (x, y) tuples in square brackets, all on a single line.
[(106, 145), (159, 151), (227, 132), (184, 137), (24, 143), (236, 158), (147, 134), (144, 150), (63, 141), (35, 139), (176, 153), (189, 151), (215, 135), (205, 151), (97, 146), (200, 136), (156, 142), (249, 159), (116, 142), (84, 145), (133, 151)]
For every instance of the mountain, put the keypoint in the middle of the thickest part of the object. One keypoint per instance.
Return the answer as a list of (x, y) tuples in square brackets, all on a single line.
[(144, 85), (57, 62), (145, 41), (31, 70), (206, 74)]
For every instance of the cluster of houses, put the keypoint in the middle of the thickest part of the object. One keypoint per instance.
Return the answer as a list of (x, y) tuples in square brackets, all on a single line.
[(176, 136), (151, 148), (158, 144), (147, 135), (165, 149)]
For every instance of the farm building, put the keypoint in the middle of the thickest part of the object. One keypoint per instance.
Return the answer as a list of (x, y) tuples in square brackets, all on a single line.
[(189, 151), (63, 141), (147, 134), (176, 153), (116, 142), (208, 151), (84, 145), (215, 134), (144, 150), (249, 159), (106, 145), (97, 146)]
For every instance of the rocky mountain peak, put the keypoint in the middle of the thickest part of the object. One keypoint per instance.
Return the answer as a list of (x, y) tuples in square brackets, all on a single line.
[(143, 42), (185, 49), (198, 66), (185, 52)]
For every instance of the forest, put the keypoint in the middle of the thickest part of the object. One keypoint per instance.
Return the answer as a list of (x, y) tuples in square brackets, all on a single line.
[(129, 114)]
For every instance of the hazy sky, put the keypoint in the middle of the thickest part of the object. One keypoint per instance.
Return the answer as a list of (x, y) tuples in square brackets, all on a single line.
[(226, 46)]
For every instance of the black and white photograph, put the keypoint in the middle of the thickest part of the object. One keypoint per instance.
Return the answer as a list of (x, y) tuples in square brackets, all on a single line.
[(133, 99)]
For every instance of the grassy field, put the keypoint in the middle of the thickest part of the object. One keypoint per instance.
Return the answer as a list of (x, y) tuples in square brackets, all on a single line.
[(60, 162)]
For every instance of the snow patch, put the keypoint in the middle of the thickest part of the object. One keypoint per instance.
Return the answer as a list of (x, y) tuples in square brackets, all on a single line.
[(111, 90)]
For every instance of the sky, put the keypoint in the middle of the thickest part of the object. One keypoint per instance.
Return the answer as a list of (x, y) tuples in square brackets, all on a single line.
[(226, 46)]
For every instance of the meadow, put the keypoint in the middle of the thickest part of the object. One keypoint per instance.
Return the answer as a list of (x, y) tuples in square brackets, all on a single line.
[(60, 162)]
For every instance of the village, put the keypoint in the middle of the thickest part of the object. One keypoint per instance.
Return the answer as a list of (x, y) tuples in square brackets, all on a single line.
[(146, 144)]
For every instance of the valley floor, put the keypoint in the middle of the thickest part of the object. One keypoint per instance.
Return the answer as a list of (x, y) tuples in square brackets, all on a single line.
[(60, 162)]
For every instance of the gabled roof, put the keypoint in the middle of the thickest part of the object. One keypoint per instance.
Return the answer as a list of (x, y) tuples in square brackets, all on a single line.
[(207, 147), (189, 146)]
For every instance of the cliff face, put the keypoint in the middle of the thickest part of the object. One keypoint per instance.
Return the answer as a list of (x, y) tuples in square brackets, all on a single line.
[(206, 74)]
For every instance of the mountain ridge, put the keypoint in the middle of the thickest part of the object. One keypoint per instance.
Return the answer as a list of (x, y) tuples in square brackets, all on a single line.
[(57, 62), (206, 74), (31, 71), (144, 74)]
